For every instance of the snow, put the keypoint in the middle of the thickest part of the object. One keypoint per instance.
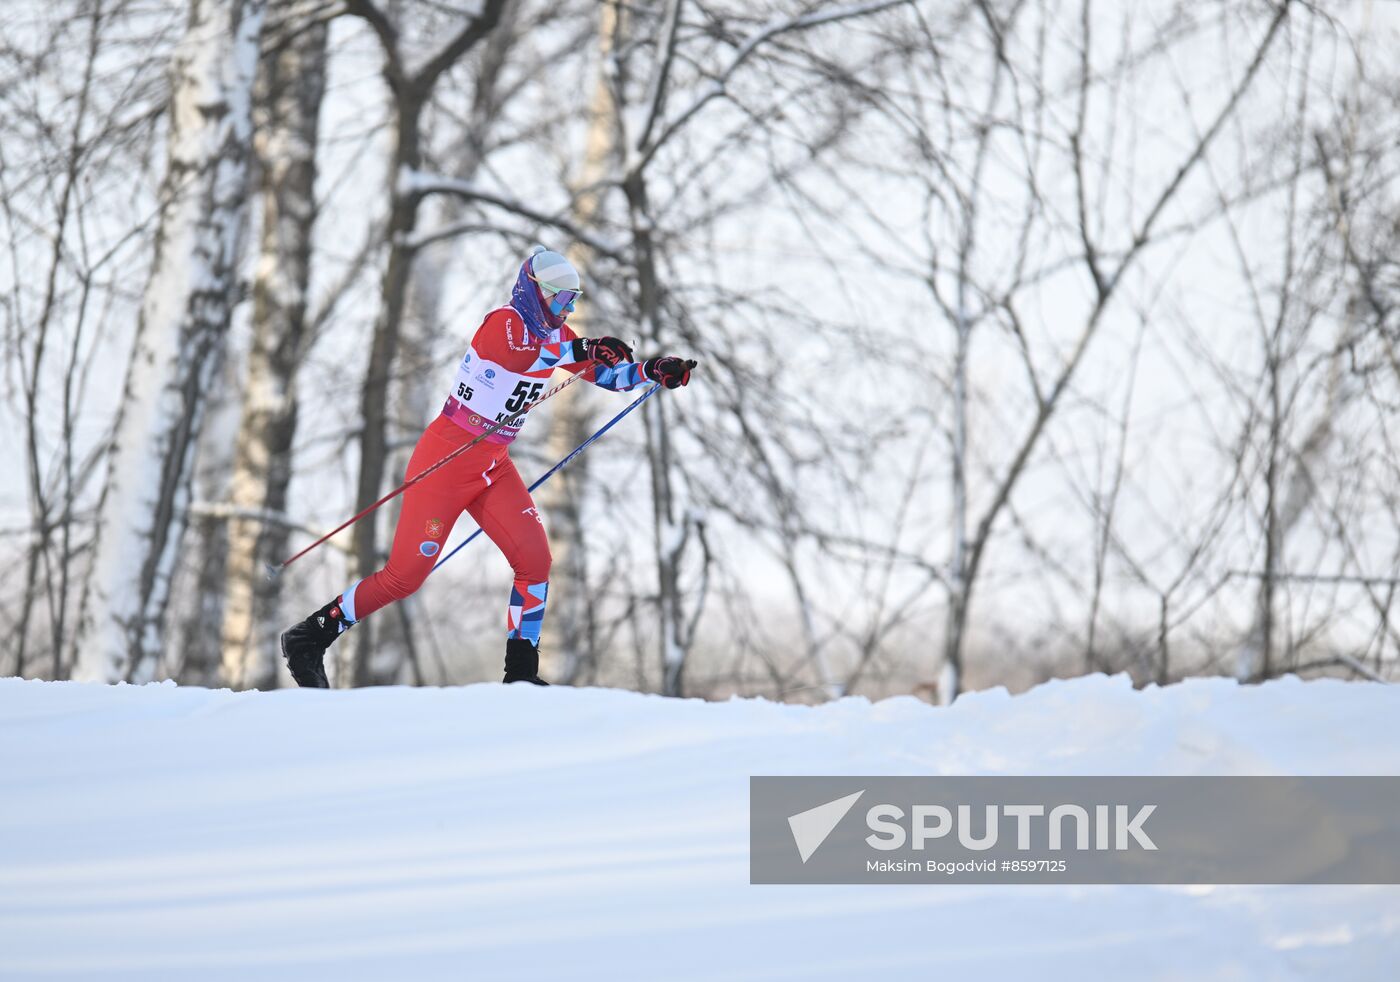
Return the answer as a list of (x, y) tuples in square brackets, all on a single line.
[(159, 832)]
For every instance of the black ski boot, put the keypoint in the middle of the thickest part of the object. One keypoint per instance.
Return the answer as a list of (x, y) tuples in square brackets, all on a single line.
[(304, 644), (523, 661)]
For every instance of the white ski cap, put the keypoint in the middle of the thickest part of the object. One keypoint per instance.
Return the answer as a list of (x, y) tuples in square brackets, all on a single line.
[(552, 270)]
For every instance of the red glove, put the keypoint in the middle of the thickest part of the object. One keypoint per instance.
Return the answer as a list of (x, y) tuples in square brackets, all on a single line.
[(608, 351), (669, 370)]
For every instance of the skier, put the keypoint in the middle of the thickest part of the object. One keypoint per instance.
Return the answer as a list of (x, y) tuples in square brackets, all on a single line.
[(507, 366)]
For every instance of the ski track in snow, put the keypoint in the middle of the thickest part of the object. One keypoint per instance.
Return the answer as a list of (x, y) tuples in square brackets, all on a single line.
[(157, 832)]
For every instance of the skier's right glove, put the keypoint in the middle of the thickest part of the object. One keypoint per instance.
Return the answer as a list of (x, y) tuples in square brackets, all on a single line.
[(609, 352), (669, 370)]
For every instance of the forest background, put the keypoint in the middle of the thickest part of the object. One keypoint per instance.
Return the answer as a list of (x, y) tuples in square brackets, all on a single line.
[(1036, 338)]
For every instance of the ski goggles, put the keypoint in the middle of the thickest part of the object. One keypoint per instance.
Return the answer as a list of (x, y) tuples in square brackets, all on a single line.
[(563, 300), (557, 294)]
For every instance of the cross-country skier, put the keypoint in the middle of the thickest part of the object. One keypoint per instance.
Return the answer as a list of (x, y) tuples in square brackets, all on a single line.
[(506, 368)]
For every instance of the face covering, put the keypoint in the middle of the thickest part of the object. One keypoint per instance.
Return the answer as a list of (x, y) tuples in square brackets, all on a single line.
[(525, 297)]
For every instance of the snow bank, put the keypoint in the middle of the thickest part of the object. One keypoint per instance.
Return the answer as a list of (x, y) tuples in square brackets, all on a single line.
[(513, 832)]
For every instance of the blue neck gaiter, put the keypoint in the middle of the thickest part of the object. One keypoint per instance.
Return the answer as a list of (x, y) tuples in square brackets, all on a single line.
[(525, 297)]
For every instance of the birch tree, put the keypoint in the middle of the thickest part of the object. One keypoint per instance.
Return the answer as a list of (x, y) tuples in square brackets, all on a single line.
[(179, 339), (78, 113), (291, 85)]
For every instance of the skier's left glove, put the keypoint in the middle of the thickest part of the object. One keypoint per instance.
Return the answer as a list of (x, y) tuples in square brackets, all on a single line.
[(609, 352), (669, 370)]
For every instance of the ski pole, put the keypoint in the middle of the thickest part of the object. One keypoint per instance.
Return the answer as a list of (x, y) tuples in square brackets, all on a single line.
[(274, 571), (571, 455)]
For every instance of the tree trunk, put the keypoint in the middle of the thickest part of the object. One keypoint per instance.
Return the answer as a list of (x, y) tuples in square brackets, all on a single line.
[(179, 340), (960, 584), (417, 392), (410, 95), (569, 633), (412, 397), (374, 396), (196, 606), (1286, 503), (290, 88), (668, 533)]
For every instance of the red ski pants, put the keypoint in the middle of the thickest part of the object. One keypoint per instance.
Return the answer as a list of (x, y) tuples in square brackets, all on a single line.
[(482, 481)]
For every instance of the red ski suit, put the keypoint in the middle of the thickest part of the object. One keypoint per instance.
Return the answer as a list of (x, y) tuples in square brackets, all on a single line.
[(506, 367)]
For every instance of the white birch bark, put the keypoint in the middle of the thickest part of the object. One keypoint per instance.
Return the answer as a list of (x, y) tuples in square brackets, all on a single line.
[(290, 88), (179, 340)]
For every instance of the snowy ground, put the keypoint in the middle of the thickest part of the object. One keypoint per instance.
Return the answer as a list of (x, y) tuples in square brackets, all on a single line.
[(508, 833)]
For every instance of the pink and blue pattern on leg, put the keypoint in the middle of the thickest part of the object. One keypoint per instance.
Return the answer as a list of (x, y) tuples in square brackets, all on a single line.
[(526, 614)]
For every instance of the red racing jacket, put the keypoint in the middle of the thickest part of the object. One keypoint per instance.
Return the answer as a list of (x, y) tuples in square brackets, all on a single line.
[(507, 367)]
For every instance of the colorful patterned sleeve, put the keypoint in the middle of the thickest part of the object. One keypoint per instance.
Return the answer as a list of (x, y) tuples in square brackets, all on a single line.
[(627, 375), (620, 378), (559, 355)]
